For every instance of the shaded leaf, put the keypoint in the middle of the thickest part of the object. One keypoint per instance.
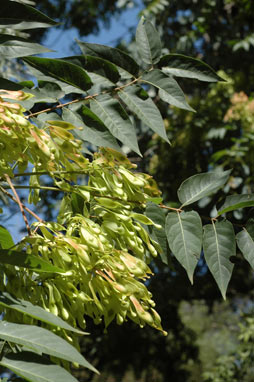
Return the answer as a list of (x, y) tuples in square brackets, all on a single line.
[(96, 65), (64, 71), (200, 185), (113, 55), (234, 202), (6, 240), (26, 260), (169, 90), (157, 215), (116, 120), (141, 104), (219, 246), (35, 368), (9, 85), (20, 16), (43, 341), (148, 42), (245, 242), (34, 311), (183, 66), (93, 129), (184, 234)]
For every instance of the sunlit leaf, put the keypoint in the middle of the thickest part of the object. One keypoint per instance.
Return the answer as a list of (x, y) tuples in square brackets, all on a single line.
[(141, 104), (234, 202), (35, 368), (245, 242), (116, 120), (13, 47), (169, 90), (6, 240), (148, 42), (42, 341), (34, 311), (183, 66), (200, 185)]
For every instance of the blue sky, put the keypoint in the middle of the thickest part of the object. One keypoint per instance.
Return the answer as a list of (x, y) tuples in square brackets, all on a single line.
[(119, 26)]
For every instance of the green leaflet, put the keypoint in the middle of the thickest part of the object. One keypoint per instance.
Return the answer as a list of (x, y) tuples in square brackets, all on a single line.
[(64, 71), (113, 55), (184, 234), (234, 202), (200, 185), (183, 66), (42, 341), (20, 16), (116, 119), (34, 311), (138, 101), (219, 246), (245, 242), (96, 65), (148, 42), (93, 129), (6, 240), (35, 368), (25, 260), (169, 90), (13, 47)]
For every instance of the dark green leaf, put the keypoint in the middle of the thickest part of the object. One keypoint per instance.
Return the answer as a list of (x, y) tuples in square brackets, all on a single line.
[(93, 129), (34, 311), (9, 85), (187, 67), (20, 16), (139, 103), (96, 65), (234, 202), (13, 47), (157, 215), (219, 246), (169, 90), (113, 55), (245, 242), (116, 120), (42, 341), (184, 234), (64, 71), (200, 185), (6, 240), (25, 260), (35, 368), (148, 42)]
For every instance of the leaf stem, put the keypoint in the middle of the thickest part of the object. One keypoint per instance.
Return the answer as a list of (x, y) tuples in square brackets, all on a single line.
[(24, 207)]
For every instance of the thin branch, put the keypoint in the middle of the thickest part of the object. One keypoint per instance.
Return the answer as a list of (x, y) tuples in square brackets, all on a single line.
[(19, 203), (60, 106), (170, 208), (24, 207)]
